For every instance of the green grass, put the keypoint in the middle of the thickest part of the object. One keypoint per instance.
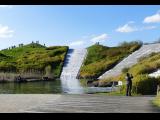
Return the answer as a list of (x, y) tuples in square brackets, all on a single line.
[(102, 58), (33, 58), (114, 94), (83, 82), (156, 101), (111, 93), (142, 83)]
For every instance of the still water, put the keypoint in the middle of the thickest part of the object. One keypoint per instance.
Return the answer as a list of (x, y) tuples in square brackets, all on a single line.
[(37, 87)]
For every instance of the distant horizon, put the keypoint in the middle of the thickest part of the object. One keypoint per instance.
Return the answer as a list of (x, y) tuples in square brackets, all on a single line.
[(78, 26)]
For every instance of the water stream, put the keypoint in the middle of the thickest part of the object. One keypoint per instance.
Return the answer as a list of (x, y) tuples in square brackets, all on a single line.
[(72, 64)]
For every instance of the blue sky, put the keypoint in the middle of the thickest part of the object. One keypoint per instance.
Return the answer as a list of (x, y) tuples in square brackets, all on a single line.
[(78, 26)]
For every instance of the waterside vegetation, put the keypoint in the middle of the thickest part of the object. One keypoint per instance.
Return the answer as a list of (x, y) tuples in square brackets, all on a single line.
[(32, 60)]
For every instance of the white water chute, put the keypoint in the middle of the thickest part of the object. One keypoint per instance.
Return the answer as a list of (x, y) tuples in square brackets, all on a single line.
[(72, 64)]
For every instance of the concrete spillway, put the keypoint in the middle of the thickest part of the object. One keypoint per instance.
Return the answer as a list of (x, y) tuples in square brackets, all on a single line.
[(131, 59), (72, 64), (155, 74)]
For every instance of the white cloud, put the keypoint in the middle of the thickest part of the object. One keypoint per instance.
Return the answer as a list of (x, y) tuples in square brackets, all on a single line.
[(126, 28), (152, 19), (148, 27), (5, 6), (130, 22), (5, 32), (100, 38), (77, 43)]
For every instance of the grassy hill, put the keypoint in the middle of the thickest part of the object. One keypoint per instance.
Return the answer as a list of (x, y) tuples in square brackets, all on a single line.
[(33, 58), (142, 83), (102, 58)]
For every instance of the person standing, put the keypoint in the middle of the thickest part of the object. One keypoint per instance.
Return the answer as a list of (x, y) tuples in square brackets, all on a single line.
[(129, 78)]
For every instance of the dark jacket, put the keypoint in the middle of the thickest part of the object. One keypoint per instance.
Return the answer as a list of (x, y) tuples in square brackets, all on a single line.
[(129, 79)]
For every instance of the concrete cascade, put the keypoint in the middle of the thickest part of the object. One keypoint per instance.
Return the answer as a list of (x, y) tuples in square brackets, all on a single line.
[(131, 59), (155, 74), (72, 64)]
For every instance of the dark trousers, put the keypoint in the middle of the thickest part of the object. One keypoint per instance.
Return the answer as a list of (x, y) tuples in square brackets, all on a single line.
[(129, 88)]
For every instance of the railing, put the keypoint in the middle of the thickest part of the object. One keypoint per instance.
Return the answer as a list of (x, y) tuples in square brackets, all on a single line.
[(113, 87), (117, 87)]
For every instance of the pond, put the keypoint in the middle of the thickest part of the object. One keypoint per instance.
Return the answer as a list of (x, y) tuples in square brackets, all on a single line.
[(44, 87), (37, 87)]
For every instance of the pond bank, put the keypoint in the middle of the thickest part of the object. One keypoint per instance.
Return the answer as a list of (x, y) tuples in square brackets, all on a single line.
[(23, 77)]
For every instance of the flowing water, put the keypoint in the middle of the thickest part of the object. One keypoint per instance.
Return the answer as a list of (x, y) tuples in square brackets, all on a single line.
[(72, 64)]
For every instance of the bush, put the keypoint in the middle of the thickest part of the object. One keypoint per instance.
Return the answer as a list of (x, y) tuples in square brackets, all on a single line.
[(142, 58), (125, 70), (126, 44), (144, 85), (141, 84)]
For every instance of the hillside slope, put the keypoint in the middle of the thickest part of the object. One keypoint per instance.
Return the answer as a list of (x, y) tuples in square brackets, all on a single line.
[(142, 82), (131, 59), (102, 58), (33, 58)]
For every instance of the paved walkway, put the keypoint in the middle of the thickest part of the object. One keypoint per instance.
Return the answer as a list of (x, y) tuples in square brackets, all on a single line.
[(75, 103)]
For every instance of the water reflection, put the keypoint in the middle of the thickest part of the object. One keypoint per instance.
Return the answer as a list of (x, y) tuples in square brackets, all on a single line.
[(39, 87), (67, 85)]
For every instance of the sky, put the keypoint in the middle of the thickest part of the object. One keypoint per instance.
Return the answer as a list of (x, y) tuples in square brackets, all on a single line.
[(78, 26)]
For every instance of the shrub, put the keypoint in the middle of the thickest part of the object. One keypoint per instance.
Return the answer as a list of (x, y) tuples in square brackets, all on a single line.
[(125, 70), (142, 58), (144, 84), (132, 43)]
